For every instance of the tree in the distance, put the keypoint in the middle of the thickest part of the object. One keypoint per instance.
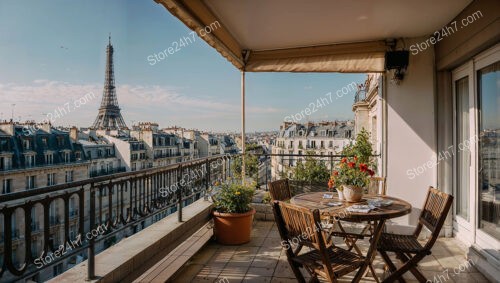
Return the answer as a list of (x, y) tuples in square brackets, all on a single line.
[(251, 166), (310, 170)]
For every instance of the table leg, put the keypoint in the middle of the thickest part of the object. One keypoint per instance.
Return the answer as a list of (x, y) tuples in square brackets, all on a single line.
[(350, 241), (372, 251)]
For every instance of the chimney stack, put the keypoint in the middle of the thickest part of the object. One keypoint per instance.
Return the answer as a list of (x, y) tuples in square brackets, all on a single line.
[(73, 134)]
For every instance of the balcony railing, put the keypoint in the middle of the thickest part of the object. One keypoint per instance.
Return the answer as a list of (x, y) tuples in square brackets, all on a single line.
[(103, 172), (138, 196), (43, 165), (282, 165)]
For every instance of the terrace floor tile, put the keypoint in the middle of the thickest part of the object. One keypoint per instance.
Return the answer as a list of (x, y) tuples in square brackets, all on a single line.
[(264, 260)]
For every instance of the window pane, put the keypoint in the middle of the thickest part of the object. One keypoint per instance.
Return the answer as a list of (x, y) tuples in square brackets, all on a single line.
[(463, 154), (489, 149)]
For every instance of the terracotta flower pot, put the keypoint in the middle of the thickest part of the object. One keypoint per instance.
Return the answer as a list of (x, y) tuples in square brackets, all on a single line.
[(233, 228), (352, 193)]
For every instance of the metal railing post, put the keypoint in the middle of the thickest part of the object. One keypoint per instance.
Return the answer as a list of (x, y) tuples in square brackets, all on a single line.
[(265, 161), (179, 194), (91, 248), (207, 171)]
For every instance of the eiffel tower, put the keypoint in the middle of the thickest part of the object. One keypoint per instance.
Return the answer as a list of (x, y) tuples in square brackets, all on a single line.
[(109, 116)]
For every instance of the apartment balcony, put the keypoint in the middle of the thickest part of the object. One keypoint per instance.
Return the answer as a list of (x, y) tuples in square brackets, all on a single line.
[(175, 251), (162, 155), (104, 172), (180, 247), (42, 166), (415, 117), (263, 260)]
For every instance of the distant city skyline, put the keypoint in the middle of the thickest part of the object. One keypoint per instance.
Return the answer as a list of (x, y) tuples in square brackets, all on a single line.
[(54, 56)]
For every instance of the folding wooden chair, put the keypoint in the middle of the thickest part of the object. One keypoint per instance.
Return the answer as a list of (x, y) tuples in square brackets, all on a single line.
[(300, 225), (407, 248), (280, 190)]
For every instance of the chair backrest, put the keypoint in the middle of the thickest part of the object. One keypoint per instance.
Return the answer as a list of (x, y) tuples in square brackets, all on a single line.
[(436, 208), (298, 225), (301, 226), (279, 190), (378, 184)]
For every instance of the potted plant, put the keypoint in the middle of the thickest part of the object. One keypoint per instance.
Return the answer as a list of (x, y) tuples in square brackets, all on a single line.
[(350, 177), (233, 214)]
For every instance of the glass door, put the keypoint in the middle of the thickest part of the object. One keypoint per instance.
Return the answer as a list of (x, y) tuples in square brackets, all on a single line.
[(487, 210), (463, 174), (489, 149)]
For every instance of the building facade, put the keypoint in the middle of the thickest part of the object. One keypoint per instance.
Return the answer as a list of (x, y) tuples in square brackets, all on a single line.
[(322, 138)]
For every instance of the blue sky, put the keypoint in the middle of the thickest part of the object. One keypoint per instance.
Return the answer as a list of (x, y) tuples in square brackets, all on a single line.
[(53, 53)]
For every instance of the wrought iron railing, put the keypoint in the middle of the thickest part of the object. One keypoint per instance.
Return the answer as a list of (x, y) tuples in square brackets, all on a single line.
[(130, 198), (103, 172), (278, 166)]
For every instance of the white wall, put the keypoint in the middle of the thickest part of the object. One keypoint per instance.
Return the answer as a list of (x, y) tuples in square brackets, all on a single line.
[(411, 132), (122, 151)]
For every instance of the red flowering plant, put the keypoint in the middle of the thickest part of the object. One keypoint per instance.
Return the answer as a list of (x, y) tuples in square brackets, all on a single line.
[(351, 172)]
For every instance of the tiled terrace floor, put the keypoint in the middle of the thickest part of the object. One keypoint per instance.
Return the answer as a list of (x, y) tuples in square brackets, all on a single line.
[(263, 260)]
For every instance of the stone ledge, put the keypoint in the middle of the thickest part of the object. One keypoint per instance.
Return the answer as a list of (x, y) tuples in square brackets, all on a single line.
[(263, 211), (485, 263), (164, 269), (133, 255)]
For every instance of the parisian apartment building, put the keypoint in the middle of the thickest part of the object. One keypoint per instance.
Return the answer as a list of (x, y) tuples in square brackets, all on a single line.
[(319, 138)]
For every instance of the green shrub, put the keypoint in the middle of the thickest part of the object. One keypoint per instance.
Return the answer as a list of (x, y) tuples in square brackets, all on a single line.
[(233, 198)]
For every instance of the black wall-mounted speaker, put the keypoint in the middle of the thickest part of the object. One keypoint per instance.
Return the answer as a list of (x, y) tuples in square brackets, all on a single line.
[(396, 59)]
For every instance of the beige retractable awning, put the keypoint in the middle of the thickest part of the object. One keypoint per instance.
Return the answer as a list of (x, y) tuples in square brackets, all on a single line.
[(310, 36)]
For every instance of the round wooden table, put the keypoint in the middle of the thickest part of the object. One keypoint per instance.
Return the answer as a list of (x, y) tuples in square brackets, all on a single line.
[(316, 200)]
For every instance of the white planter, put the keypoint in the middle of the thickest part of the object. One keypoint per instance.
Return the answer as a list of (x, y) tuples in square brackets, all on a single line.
[(340, 193), (352, 193)]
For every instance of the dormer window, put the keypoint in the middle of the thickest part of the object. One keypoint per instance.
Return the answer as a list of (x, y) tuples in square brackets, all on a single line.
[(26, 144), (4, 145), (29, 160), (78, 155), (49, 158), (66, 157), (45, 141), (60, 141)]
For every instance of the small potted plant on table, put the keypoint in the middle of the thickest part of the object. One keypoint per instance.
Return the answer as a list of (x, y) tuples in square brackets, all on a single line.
[(233, 214), (351, 176)]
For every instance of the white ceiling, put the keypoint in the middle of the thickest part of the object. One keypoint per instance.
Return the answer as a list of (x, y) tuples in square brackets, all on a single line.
[(273, 24)]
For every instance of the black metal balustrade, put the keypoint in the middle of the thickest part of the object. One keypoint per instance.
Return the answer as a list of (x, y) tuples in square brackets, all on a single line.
[(283, 165), (122, 202), (103, 172)]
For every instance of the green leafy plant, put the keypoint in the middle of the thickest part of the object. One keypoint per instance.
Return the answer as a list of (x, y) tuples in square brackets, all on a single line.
[(266, 198), (351, 172), (312, 170), (233, 198), (251, 166), (362, 148), (253, 146)]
